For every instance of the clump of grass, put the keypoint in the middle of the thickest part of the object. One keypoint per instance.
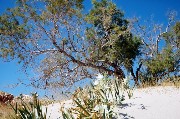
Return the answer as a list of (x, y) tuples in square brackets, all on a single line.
[(31, 110), (173, 81)]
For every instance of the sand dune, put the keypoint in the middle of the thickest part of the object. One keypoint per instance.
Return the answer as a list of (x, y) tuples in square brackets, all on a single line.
[(149, 103)]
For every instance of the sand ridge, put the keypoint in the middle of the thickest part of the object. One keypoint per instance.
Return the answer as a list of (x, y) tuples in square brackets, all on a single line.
[(147, 103)]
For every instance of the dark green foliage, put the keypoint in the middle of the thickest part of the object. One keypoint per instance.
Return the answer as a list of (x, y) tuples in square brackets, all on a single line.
[(165, 63), (110, 39), (176, 30), (162, 62)]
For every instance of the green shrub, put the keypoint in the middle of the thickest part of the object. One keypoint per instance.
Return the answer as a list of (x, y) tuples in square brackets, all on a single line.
[(97, 101)]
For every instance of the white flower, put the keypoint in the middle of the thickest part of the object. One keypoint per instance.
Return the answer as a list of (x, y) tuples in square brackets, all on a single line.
[(96, 82), (99, 77), (101, 108), (125, 80)]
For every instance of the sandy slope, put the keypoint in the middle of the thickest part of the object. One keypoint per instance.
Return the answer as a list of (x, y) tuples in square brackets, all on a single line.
[(152, 103), (53, 110), (149, 103)]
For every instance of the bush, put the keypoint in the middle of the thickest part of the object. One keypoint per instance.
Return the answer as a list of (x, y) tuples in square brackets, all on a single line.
[(97, 101)]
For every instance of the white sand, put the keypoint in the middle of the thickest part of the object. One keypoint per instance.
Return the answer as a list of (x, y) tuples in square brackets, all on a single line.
[(54, 110), (149, 103)]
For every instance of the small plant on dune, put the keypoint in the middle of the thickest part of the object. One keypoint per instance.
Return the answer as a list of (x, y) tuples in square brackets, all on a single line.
[(96, 101), (31, 110), (172, 81), (89, 104), (176, 81)]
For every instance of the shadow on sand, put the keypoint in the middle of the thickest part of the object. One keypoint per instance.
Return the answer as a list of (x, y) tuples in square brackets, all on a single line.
[(127, 105)]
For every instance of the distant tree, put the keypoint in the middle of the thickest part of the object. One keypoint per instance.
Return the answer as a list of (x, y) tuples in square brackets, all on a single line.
[(48, 35), (160, 50), (172, 49)]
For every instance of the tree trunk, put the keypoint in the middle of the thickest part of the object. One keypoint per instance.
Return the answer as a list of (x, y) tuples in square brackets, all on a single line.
[(136, 77)]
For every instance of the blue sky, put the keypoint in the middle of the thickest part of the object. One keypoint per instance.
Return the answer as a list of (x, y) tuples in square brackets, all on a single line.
[(10, 71)]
